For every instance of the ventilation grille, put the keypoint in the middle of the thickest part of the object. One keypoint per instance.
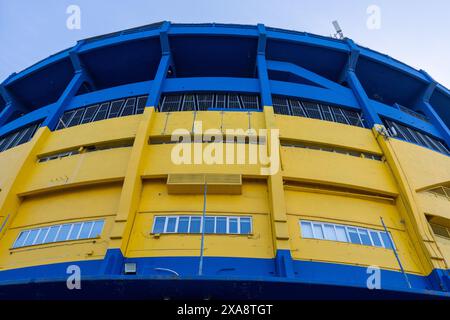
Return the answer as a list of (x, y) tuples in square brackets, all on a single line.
[(440, 230), (195, 183)]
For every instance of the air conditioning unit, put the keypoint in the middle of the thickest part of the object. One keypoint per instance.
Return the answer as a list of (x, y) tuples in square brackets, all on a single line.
[(194, 183)]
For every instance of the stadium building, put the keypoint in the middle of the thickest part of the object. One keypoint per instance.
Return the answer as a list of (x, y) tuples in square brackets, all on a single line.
[(358, 206)]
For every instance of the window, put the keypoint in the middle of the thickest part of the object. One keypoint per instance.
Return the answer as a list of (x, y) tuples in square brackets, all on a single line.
[(206, 101), (440, 230), (104, 110), (280, 105), (348, 152), (59, 233), (91, 148), (193, 224), (342, 233), (296, 107), (129, 108), (441, 191), (188, 102), (313, 110), (408, 134), (19, 137)]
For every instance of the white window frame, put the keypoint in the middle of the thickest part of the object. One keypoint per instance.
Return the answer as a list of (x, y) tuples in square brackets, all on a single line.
[(347, 233)]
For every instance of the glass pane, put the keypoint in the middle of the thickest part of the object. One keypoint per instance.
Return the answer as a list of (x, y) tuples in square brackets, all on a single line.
[(183, 224), (246, 226), (171, 224), (97, 229), (85, 230), (75, 230), (52, 234), (249, 102), (158, 225), (188, 102), (297, 108), (41, 236), (195, 225), (318, 233), (313, 110), (232, 225), (76, 118), (209, 224), (63, 232), (307, 230), (31, 237), (280, 105), (221, 225), (89, 114), (326, 111), (20, 239), (116, 107), (233, 101), (337, 113), (129, 107), (221, 101), (64, 120), (341, 234), (330, 234), (353, 234), (386, 240), (364, 235), (141, 101), (376, 238), (102, 112)]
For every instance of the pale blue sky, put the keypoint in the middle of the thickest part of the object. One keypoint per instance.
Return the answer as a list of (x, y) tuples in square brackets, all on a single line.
[(415, 32)]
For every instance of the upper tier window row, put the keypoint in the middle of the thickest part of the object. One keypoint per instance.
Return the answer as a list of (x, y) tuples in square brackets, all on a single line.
[(13, 139), (296, 107), (405, 133), (206, 101), (101, 111)]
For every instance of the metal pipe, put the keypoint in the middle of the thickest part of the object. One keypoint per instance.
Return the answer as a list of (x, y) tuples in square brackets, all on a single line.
[(395, 253), (202, 244)]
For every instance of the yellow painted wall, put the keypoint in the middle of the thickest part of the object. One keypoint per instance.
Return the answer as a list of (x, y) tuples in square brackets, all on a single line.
[(79, 204), (156, 201), (90, 185), (353, 211)]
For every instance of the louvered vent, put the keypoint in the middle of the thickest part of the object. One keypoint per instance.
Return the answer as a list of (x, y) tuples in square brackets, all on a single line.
[(440, 230), (195, 183)]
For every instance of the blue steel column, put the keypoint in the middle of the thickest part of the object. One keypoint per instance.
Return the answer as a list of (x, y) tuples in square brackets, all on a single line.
[(71, 90), (164, 65), (370, 116), (261, 63), (423, 104), (12, 105)]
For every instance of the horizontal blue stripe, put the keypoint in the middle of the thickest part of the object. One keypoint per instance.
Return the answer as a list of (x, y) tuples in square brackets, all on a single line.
[(264, 273)]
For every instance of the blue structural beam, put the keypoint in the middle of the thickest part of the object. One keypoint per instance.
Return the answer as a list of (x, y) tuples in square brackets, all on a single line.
[(6, 114), (81, 76), (423, 104), (72, 88), (165, 64), (370, 115), (304, 73), (12, 105), (261, 64)]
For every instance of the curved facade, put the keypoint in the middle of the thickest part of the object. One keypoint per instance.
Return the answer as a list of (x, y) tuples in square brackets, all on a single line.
[(354, 202)]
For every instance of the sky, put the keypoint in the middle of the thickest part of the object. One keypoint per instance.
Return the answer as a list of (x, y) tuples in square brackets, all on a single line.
[(415, 32)]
